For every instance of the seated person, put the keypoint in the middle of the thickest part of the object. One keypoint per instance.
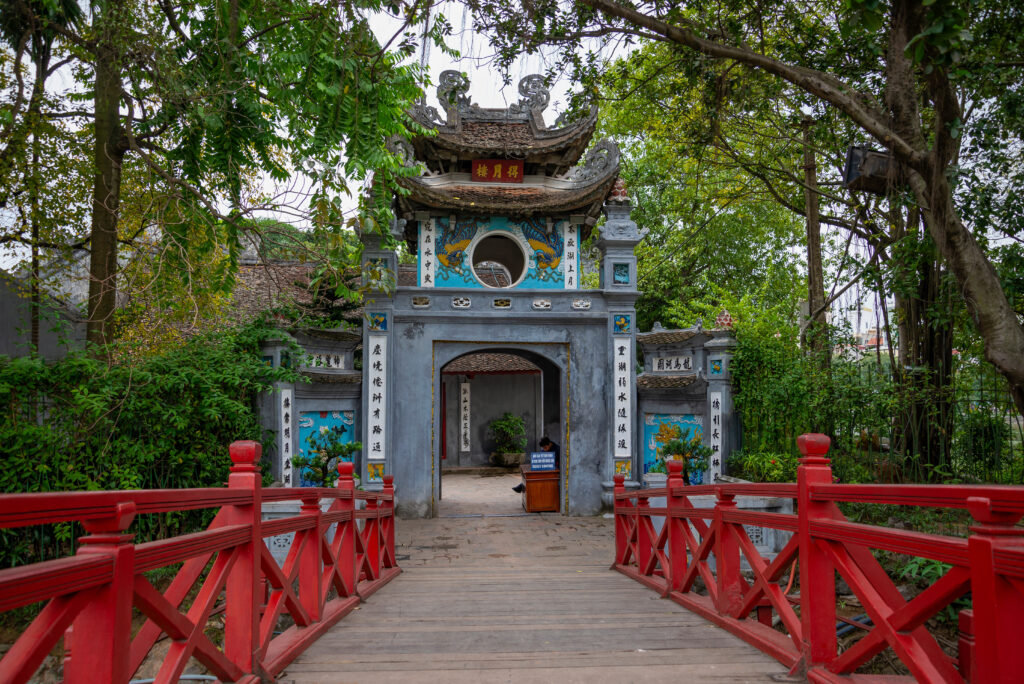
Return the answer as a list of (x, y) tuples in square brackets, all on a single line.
[(545, 445)]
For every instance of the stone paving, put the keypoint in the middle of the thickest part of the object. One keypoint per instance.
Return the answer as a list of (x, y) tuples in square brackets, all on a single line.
[(492, 594)]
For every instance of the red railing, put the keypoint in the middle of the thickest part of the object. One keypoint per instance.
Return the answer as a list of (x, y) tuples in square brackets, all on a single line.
[(90, 596), (706, 544)]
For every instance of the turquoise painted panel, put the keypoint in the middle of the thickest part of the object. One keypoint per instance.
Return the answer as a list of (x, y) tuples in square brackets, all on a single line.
[(545, 268), (311, 422), (661, 427)]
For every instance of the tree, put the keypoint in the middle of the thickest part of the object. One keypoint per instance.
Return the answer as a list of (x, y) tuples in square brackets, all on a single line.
[(929, 70), (32, 28), (203, 93)]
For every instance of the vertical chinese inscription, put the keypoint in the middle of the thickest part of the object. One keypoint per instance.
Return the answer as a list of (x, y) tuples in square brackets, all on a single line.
[(715, 420), (285, 437), (571, 252), (376, 423), (427, 260), (464, 416), (623, 400)]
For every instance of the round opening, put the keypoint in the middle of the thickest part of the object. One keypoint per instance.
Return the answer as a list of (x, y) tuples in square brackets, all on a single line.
[(498, 261)]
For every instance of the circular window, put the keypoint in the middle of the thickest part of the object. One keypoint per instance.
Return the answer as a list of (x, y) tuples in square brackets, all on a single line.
[(499, 261)]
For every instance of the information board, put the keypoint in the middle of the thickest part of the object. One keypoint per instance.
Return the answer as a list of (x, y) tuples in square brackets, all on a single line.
[(542, 460)]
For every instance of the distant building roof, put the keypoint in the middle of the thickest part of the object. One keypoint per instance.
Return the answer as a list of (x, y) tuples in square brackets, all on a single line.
[(490, 364), (652, 381), (667, 336)]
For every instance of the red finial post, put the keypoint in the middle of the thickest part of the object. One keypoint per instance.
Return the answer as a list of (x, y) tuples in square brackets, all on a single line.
[(621, 526), (101, 633), (997, 602), (817, 574), (676, 538), (243, 590), (345, 536), (388, 524)]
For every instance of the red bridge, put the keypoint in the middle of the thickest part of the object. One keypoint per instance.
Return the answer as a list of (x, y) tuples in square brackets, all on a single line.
[(272, 613)]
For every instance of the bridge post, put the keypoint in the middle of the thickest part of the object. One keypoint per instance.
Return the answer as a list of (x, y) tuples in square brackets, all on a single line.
[(309, 561), (621, 526), (102, 632), (345, 536), (998, 601), (727, 557), (371, 538), (389, 522), (817, 574), (644, 543), (676, 539), (243, 590)]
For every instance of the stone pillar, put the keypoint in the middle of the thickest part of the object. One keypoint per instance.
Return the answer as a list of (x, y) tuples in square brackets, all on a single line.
[(379, 265), (722, 427), (618, 281)]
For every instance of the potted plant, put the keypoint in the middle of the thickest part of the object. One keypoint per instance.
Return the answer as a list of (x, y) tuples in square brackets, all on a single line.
[(509, 433), (692, 452), (325, 449)]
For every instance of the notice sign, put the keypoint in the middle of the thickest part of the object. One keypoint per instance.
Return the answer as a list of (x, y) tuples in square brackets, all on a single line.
[(464, 432), (542, 460), (498, 170)]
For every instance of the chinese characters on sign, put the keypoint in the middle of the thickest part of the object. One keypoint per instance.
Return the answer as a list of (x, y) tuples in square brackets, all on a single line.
[(623, 392), (376, 423), (427, 257), (464, 416), (673, 363), (336, 361), (498, 170), (571, 250), (285, 435), (715, 425)]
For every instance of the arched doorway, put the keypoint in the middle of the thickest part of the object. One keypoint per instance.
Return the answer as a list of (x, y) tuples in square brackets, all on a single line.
[(476, 388)]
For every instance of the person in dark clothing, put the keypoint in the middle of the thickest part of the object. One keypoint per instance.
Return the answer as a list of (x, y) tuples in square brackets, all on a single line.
[(545, 445)]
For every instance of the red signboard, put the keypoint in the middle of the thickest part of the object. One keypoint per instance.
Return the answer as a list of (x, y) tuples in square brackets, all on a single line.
[(498, 170)]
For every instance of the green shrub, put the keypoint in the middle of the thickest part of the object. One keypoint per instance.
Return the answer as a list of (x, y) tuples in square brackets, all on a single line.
[(509, 433), (159, 422), (764, 466)]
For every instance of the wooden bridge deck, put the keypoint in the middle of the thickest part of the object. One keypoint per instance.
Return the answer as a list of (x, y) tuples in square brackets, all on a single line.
[(510, 597)]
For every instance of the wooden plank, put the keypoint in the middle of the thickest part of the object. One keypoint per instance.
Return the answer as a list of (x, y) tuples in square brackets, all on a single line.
[(524, 599)]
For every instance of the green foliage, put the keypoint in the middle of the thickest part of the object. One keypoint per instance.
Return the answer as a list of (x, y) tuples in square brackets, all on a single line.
[(509, 433), (692, 452), (764, 466), (326, 450), (982, 438), (162, 422)]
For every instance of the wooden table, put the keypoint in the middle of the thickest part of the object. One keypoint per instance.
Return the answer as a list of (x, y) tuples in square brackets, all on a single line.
[(541, 493)]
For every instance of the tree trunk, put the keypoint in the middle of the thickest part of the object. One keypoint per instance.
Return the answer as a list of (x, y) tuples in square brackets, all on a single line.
[(816, 331), (109, 151), (997, 322), (924, 425)]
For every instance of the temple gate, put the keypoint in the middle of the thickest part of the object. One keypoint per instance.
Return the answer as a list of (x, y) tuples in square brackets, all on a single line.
[(498, 209)]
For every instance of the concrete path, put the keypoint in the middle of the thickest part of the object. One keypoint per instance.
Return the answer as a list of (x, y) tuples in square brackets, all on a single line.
[(491, 594)]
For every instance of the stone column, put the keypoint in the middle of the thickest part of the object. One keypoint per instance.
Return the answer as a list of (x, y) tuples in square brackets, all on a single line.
[(378, 386), (722, 428), (618, 281)]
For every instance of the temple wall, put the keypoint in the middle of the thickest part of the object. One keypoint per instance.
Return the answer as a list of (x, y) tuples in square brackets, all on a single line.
[(492, 395), (574, 341)]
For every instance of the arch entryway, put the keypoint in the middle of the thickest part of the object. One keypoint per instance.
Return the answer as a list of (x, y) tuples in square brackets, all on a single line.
[(476, 384)]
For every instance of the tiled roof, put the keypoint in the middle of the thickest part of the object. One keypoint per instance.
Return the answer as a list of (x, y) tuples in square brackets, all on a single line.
[(407, 274), (263, 286), (652, 381), (488, 363), (666, 336), (507, 139), (506, 199), (344, 378)]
